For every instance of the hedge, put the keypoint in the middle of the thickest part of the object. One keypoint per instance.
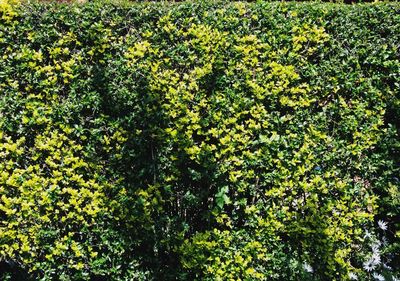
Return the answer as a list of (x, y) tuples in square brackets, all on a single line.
[(199, 141)]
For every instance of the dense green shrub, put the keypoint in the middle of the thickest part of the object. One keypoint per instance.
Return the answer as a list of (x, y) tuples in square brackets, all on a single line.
[(207, 141)]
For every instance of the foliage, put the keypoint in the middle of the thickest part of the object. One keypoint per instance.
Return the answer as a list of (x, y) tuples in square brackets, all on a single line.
[(199, 141)]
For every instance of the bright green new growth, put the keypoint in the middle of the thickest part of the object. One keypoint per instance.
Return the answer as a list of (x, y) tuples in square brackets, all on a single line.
[(199, 141)]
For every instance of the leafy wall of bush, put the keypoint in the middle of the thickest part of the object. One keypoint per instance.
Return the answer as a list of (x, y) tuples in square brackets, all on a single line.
[(205, 141)]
